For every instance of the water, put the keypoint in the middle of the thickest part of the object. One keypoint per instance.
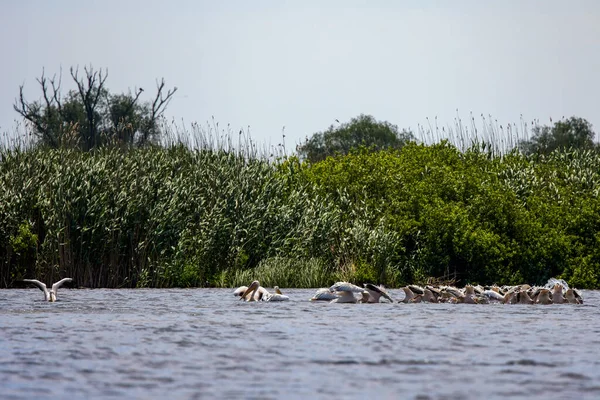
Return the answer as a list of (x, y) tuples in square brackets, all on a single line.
[(204, 343)]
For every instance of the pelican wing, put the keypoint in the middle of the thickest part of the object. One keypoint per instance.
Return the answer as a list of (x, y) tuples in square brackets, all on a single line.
[(240, 291), (553, 281), (416, 289), (40, 285), (60, 283), (345, 287), (324, 294), (276, 297), (378, 289)]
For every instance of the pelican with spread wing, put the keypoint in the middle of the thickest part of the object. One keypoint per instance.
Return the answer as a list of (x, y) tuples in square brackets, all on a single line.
[(49, 295)]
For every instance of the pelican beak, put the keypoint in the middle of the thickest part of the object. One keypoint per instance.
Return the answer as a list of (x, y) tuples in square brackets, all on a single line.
[(252, 286), (52, 297)]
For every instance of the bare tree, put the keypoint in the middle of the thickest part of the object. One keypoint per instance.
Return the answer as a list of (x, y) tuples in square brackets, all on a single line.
[(90, 115), (90, 90), (46, 119), (160, 103)]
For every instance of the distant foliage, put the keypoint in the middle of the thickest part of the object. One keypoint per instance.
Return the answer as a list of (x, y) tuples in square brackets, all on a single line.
[(572, 133), (363, 131)]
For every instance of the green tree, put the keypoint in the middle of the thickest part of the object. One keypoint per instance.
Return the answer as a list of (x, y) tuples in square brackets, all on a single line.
[(572, 133), (91, 115), (363, 130)]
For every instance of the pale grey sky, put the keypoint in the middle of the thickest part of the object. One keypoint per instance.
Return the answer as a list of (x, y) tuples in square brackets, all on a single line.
[(302, 64)]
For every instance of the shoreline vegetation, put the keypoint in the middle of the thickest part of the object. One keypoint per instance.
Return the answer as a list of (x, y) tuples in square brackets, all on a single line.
[(209, 208), (95, 185)]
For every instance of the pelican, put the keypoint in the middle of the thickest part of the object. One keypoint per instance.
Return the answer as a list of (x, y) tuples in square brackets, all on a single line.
[(523, 297), (239, 291), (345, 292), (277, 296), (375, 293), (429, 296), (345, 287), (254, 292), (543, 297), (469, 295), (416, 289), (409, 295), (417, 299), (345, 296), (49, 295), (449, 292), (557, 294), (324, 294), (493, 295), (435, 291), (573, 296)]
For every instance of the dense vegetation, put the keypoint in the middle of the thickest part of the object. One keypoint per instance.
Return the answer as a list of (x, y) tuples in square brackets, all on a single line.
[(175, 216)]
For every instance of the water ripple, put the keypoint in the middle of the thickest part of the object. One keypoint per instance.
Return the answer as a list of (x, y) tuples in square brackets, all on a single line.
[(204, 343)]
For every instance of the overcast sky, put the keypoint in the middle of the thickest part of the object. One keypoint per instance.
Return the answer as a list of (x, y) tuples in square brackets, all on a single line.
[(303, 64)]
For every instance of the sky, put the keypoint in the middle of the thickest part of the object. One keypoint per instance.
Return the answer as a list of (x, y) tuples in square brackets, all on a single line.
[(277, 67)]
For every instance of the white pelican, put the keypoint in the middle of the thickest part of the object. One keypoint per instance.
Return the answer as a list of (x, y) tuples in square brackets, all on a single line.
[(450, 292), (523, 297), (324, 294), (557, 294), (345, 292), (254, 292), (277, 296), (239, 291), (408, 295), (345, 287), (543, 297), (469, 295), (493, 295), (416, 289), (573, 296), (375, 293), (429, 296), (49, 295), (435, 291), (345, 296)]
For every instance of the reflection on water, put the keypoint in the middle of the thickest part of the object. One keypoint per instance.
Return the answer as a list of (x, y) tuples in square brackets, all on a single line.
[(204, 343)]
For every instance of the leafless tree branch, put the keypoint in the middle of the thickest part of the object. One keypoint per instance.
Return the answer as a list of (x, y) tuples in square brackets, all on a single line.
[(90, 90)]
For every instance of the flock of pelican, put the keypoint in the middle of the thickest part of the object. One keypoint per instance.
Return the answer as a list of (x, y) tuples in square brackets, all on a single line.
[(556, 291)]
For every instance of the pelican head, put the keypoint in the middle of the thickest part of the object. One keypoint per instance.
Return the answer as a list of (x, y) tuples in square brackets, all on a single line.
[(251, 289)]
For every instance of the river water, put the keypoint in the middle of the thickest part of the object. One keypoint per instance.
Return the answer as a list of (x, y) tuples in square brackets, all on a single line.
[(205, 343)]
